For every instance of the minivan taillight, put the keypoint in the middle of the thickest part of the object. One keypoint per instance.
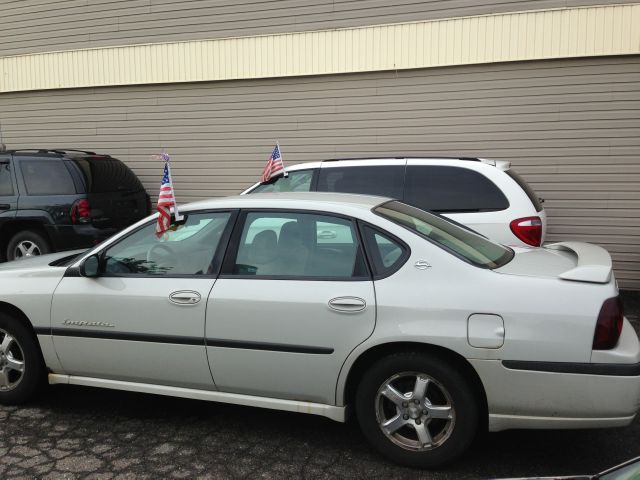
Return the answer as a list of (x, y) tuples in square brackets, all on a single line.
[(528, 229), (609, 324), (80, 211)]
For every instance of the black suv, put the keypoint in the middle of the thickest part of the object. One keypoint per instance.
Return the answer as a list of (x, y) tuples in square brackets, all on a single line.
[(53, 200)]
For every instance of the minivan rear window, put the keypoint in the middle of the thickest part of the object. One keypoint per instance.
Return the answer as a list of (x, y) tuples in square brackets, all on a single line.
[(445, 189), (106, 174), (527, 189), (383, 180), (464, 244)]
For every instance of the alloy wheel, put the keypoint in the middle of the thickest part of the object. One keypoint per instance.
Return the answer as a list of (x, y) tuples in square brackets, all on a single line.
[(11, 361), (27, 248)]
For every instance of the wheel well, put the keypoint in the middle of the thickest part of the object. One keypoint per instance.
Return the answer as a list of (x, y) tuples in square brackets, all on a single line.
[(15, 312), (9, 229), (366, 359)]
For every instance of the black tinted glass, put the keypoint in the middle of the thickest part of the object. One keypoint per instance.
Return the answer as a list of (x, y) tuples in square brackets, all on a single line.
[(47, 177), (451, 189), (6, 184), (527, 189), (106, 174), (385, 180)]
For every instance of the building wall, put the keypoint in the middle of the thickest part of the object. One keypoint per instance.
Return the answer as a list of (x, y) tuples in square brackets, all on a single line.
[(571, 127), (31, 26)]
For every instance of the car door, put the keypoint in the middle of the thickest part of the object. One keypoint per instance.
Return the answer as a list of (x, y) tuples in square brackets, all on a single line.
[(8, 191), (294, 298), (142, 318)]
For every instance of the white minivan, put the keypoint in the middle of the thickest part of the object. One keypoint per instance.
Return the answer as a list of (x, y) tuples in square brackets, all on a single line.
[(485, 195)]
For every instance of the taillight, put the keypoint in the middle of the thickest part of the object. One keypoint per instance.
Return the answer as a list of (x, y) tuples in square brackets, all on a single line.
[(609, 324), (528, 229), (80, 212)]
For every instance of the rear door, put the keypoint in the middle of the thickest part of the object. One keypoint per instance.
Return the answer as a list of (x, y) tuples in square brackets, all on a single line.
[(8, 190)]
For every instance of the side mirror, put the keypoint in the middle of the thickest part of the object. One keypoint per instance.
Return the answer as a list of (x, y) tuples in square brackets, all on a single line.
[(90, 267)]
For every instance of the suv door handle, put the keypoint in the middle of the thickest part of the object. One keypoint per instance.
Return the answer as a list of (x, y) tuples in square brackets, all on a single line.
[(347, 304), (5, 206), (185, 297)]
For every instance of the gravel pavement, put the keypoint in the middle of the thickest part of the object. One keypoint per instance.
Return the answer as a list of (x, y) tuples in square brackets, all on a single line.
[(78, 433)]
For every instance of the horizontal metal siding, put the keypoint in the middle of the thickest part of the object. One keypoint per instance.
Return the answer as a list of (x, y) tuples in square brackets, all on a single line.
[(37, 25), (571, 127)]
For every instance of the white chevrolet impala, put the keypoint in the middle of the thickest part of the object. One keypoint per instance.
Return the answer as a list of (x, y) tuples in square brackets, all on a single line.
[(329, 303)]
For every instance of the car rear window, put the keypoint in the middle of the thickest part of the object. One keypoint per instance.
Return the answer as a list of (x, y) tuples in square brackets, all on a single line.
[(537, 203), (383, 180), (106, 174), (452, 189), (465, 244), (47, 177)]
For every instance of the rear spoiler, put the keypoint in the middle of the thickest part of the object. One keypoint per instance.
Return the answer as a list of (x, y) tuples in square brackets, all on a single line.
[(594, 262)]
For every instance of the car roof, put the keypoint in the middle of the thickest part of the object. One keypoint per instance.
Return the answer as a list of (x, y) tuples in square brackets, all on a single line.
[(296, 200), (500, 164)]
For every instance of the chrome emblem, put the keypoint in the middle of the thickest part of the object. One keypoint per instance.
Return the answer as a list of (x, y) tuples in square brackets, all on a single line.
[(82, 323)]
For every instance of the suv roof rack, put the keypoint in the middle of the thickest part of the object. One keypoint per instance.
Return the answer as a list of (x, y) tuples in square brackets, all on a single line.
[(470, 159), (61, 151)]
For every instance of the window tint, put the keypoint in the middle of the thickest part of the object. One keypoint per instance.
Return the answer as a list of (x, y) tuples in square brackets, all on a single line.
[(386, 253), (106, 174), (298, 245), (47, 177), (298, 181), (537, 203), (451, 189), (384, 180), (463, 243), (186, 249), (6, 183)]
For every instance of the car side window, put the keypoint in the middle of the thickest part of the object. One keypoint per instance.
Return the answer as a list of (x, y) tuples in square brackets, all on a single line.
[(47, 177), (451, 189), (301, 245), (383, 180), (188, 248), (297, 181), (386, 253), (6, 182)]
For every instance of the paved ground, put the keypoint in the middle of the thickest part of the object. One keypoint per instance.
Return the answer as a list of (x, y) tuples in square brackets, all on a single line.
[(74, 433)]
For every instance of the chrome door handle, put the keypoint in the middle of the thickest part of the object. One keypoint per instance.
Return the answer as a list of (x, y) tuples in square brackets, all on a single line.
[(185, 297), (347, 304)]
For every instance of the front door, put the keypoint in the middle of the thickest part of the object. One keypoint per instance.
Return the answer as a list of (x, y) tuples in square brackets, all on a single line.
[(294, 299), (142, 319)]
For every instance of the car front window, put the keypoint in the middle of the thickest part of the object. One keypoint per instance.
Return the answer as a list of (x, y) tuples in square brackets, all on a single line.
[(463, 243), (296, 181)]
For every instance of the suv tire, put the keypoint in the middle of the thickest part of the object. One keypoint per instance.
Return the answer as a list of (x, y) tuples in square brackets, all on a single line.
[(27, 243), (417, 410)]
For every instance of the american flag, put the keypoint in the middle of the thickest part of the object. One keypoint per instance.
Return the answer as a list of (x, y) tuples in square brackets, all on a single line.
[(166, 200), (274, 165)]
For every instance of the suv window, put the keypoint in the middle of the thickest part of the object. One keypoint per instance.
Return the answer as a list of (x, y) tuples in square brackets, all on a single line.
[(295, 245), (383, 180), (6, 183), (297, 181), (527, 189), (47, 177), (187, 249), (451, 189)]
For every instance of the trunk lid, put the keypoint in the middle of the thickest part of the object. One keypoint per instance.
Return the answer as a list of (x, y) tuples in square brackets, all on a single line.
[(575, 261)]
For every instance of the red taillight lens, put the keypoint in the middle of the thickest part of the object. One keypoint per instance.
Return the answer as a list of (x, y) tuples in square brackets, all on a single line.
[(528, 229), (80, 211), (609, 325)]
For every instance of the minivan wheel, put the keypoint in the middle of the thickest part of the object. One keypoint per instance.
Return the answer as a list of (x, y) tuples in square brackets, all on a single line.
[(21, 369), (27, 243), (417, 410)]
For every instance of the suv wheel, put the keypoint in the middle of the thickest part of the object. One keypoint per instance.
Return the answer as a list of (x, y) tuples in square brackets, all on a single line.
[(417, 410), (27, 243)]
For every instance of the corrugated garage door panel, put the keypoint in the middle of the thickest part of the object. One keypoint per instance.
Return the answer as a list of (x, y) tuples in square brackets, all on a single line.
[(40, 25), (571, 127)]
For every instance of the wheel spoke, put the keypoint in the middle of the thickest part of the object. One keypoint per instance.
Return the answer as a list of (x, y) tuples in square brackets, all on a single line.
[(7, 341), (420, 387), (394, 424), (31, 249), (394, 395), (424, 436), (13, 364), (4, 378), (439, 411)]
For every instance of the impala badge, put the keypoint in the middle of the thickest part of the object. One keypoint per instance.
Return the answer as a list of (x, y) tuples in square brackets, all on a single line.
[(82, 323)]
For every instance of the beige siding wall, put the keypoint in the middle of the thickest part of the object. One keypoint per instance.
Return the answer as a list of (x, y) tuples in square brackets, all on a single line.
[(31, 26), (571, 127)]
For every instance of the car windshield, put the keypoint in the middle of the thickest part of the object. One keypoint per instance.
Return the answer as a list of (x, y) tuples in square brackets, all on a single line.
[(465, 244)]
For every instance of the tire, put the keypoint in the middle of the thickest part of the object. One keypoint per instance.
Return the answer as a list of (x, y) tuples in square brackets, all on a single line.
[(27, 243), (445, 432), (17, 346)]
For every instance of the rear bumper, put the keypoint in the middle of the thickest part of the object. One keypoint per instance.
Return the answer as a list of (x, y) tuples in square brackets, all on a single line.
[(70, 237)]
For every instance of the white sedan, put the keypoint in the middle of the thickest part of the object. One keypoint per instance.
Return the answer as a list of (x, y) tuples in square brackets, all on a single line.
[(314, 303)]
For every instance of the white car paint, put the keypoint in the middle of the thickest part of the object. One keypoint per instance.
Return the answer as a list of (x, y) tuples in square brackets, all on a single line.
[(545, 318), (493, 225)]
